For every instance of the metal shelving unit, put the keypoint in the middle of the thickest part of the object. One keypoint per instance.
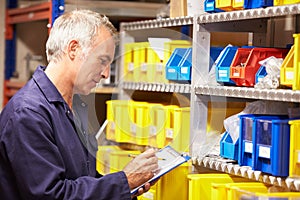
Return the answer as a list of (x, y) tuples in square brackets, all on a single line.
[(255, 21)]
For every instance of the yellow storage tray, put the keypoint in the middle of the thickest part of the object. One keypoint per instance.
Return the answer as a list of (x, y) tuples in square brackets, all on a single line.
[(103, 160), (200, 185), (118, 159), (287, 69), (158, 118), (294, 168), (128, 61), (181, 139), (284, 2)]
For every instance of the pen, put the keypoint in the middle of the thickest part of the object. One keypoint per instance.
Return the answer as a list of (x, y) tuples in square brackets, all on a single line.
[(133, 156)]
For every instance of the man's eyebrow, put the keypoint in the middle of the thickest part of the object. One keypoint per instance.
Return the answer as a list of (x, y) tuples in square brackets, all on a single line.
[(107, 57)]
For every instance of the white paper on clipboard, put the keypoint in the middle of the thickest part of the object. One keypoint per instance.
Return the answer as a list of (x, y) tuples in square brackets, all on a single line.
[(169, 159)]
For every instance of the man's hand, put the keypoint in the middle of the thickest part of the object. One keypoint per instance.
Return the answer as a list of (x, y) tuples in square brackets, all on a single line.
[(141, 169)]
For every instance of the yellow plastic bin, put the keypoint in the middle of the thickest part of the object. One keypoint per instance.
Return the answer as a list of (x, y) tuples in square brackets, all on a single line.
[(226, 5), (118, 115), (173, 185), (110, 128), (118, 159), (140, 124), (140, 61), (103, 158), (170, 123), (287, 69), (238, 4), (284, 2), (154, 67), (244, 194), (181, 139), (231, 189), (128, 61), (200, 185), (158, 118), (294, 168)]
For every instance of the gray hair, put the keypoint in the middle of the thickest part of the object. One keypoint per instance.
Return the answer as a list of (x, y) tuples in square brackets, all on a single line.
[(81, 25)]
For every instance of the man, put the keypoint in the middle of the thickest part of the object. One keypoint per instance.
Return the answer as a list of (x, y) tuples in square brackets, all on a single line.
[(45, 150)]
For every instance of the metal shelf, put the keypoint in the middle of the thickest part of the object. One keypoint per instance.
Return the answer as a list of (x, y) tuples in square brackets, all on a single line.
[(157, 87), (275, 11), (221, 164), (158, 23), (250, 93), (257, 13)]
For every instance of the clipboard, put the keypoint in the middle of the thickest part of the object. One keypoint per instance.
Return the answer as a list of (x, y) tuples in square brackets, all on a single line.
[(170, 160)]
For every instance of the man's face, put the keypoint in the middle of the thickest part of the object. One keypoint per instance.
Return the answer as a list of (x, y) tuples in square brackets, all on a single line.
[(96, 64)]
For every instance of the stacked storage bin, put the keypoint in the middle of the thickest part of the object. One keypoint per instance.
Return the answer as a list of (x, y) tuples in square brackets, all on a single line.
[(244, 75), (264, 143), (295, 149)]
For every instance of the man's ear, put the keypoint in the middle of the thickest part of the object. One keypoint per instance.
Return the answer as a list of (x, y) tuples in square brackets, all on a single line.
[(73, 48)]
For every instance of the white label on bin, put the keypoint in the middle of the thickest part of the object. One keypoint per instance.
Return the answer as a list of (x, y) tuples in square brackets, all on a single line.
[(248, 147), (169, 133), (133, 128), (171, 70), (264, 152), (289, 75), (298, 156), (184, 70), (144, 67), (153, 130), (130, 66), (239, 1), (159, 67), (112, 125), (223, 73), (236, 74)]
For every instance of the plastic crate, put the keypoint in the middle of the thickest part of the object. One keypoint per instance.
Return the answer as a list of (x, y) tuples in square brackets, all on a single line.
[(158, 115), (200, 185), (140, 124), (224, 191), (118, 159), (245, 75), (173, 185), (272, 145), (172, 67), (223, 65), (210, 6), (284, 2), (140, 61), (238, 4), (181, 139), (226, 5), (246, 152), (103, 160), (154, 67), (228, 149), (294, 170), (296, 81), (232, 188), (247, 195), (248, 4), (119, 115), (260, 74), (287, 69), (186, 66), (128, 61)]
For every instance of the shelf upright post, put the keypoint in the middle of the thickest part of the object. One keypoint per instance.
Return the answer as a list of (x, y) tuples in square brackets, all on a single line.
[(200, 70)]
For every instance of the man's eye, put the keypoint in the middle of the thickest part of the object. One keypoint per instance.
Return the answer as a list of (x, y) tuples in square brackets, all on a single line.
[(103, 61)]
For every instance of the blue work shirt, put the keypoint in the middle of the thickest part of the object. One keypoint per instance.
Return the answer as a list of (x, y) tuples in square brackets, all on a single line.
[(44, 154)]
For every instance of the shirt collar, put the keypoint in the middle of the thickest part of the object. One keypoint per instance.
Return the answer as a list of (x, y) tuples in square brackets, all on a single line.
[(46, 86)]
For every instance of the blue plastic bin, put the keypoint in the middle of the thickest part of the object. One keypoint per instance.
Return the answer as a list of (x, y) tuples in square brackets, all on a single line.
[(223, 65), (210, 6), (248, 4), (246, 152), (272, 143), (185, 66), (228, 149), (214, 54), (261, 73), (172, 66)]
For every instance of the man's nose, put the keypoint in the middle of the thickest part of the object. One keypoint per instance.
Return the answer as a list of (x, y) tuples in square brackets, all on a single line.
[(105, 73)]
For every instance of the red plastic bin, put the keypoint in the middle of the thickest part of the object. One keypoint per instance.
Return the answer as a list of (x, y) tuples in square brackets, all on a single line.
[(243, 70)]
